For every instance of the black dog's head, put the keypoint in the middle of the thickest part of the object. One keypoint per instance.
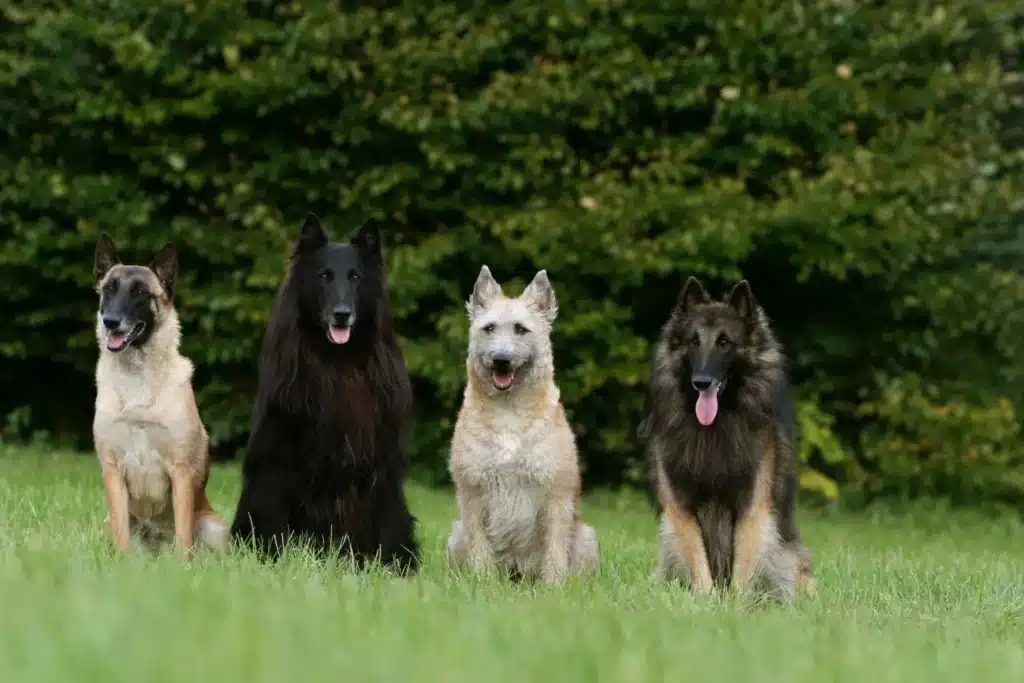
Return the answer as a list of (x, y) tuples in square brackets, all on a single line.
[(707, 339), (134, 300), (337, 282)]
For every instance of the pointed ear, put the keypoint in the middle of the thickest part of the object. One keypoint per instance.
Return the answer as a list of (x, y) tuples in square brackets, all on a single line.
[(367, 238), (106, 258), (485, 290), (542, 295), (741, 298), (165, 265), (693, 294), (311, 236)]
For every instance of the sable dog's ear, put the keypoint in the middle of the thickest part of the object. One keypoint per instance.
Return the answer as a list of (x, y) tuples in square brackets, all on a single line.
[(541, 295), (742, 300), (485, 290), (692, 295), (106, 258), (165, 265), (312, 235)]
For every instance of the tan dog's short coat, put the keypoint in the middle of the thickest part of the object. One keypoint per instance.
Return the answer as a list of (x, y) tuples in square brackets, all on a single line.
[(151, 443)]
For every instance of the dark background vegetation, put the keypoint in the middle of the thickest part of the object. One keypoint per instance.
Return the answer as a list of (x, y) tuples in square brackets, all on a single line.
[(859, 162)]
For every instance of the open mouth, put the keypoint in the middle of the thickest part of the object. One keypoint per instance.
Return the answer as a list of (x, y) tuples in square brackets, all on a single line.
[(119, 340), (707, 403), (503, 380), (338, 334)]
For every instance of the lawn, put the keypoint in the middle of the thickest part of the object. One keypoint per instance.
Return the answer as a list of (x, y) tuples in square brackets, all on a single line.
[(928, 597)]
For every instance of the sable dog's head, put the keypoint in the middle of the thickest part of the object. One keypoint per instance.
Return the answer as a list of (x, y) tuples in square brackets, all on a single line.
[(338, 284), (706, 343), (134, 300), (510, 339)]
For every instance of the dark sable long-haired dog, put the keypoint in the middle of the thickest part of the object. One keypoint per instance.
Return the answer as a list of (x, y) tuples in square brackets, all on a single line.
[(719, 431), (325, 461)]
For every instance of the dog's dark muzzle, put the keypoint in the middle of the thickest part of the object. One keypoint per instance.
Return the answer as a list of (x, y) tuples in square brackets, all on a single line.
[(703, 382), (341, 316)]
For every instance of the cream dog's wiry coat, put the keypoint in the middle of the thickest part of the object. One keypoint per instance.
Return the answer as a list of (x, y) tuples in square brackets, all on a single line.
[(149, 438), (513, 454)]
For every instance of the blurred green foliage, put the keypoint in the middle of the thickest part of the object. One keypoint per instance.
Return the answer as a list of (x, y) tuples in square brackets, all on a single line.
[(858, 161)]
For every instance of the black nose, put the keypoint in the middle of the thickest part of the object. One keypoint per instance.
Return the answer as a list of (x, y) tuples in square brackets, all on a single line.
[(111, 323), (342, 315), (702, 382), (502, 363)]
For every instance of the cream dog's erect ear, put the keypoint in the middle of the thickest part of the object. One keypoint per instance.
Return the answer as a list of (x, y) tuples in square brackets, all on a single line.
[(541, 295), (485, 291)]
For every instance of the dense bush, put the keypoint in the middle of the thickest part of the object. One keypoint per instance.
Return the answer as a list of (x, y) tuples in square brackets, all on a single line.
[(853, 159)]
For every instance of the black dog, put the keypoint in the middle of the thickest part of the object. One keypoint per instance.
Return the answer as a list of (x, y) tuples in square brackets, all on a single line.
[(325, 461)]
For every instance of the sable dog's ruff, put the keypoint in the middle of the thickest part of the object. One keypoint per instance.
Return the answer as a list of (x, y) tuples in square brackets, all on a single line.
[(149, 438), (513, 454), (720, 434)]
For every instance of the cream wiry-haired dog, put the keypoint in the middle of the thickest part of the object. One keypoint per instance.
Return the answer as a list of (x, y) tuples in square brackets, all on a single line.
[(151, 444), (513, 456)]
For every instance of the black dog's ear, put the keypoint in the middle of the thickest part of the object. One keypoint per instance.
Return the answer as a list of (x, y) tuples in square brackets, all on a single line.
[(165, 266), (693, 294), (106, 258), (741, 298), (367, 238), (312, 236)]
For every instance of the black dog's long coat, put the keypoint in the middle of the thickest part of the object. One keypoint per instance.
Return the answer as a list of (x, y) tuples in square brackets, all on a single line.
[(325, 461)]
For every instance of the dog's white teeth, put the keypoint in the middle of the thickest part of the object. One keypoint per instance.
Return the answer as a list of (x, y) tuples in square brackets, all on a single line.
[(503, 381)]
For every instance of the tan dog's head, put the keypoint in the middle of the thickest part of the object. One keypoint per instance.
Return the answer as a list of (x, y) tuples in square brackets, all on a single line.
[(134, 300), (510, 339)]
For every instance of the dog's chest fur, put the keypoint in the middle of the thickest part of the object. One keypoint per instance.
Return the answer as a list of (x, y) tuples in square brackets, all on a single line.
[(511, 455), (135, 425)]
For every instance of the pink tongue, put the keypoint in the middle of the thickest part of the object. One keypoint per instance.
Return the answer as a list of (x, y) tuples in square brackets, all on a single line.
[(115, 340), (707, 406), (339, 335)]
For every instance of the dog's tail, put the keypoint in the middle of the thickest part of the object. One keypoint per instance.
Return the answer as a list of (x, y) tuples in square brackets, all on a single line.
[(805, 570), (211, 531)]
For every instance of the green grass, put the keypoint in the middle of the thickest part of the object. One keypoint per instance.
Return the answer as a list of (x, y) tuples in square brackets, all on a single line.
[(927, 598)]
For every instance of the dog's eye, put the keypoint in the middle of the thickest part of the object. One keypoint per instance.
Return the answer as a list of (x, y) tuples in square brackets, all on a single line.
[(488, 328), (326, 275), (111, 286), (694, 341), (723, 342), (136, 288), (353, 276), (519, 329)]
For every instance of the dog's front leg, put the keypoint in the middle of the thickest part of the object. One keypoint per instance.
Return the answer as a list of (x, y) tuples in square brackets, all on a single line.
[(749, 545), (183, 489), (754, 526), (689, 545), (559, 520), (116, 489), (471, 504)]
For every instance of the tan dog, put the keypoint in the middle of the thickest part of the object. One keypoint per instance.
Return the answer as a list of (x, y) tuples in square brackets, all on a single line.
[(513, 455), (151, 444)]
